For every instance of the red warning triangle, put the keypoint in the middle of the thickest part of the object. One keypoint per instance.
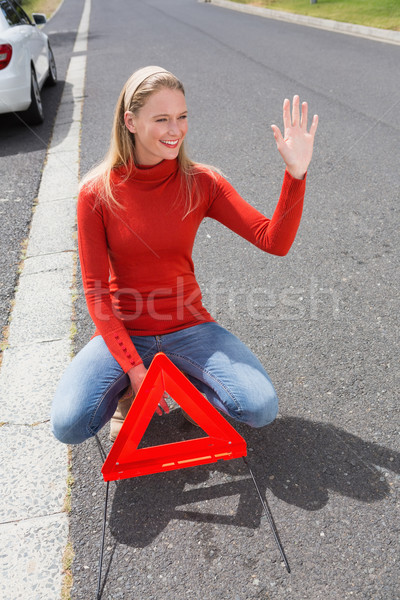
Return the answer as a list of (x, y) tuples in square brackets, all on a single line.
[(126, 460)]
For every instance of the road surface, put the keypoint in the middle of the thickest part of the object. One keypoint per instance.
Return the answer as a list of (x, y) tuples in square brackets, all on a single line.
[(323, 320)]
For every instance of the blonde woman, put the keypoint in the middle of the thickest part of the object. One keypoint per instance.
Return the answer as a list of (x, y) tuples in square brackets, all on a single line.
[(138, 214)]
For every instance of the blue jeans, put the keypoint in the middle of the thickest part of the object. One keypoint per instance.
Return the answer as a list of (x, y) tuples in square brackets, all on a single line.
[(214, 360)]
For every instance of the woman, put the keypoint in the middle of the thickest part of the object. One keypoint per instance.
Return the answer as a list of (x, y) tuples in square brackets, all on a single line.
[(138, 214)]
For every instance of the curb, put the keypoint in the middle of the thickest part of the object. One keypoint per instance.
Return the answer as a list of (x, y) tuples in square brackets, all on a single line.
[(371, 33), (34, 524)]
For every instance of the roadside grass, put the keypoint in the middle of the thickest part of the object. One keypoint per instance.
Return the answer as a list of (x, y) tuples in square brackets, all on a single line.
[(68, 559), (40, 6), (384, 14)]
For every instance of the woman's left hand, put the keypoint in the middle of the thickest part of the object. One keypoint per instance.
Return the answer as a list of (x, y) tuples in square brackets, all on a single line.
[(296, 146)]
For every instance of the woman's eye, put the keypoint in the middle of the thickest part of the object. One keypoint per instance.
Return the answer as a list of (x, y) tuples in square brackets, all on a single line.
[(164, 119)]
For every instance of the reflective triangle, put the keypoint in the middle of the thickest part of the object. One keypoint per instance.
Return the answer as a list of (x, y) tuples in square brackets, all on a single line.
[(127, 460)]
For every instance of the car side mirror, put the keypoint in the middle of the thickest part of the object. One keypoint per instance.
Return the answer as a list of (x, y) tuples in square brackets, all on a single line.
[(39, 18)]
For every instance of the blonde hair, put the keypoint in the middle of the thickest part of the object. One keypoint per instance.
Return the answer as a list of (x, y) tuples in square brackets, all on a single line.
[(121, 152)]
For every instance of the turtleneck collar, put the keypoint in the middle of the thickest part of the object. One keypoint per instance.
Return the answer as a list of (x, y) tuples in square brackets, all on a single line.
[(150, 174)]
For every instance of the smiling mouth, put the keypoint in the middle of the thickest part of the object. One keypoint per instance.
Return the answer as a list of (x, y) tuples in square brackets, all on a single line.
[(170, 143)]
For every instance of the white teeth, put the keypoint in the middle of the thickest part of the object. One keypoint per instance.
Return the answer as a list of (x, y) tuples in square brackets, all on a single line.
[(170, 143)]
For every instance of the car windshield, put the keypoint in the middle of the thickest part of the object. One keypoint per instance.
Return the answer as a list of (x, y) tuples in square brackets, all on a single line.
[(23, 17), (11, 14)]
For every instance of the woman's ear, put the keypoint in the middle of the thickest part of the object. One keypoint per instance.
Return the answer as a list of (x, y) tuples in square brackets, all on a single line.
[(130, 121)]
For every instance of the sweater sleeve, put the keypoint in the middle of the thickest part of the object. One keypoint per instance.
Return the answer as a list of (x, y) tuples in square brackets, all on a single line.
[(93, 254), (275, 235)]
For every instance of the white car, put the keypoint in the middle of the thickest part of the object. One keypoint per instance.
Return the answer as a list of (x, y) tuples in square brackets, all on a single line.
[(26, 62)]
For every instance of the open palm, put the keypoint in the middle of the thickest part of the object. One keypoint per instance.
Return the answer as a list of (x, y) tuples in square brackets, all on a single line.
[(296, 146)]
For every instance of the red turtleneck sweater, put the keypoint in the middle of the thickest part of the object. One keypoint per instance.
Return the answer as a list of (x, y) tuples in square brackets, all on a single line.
[(136, 262)]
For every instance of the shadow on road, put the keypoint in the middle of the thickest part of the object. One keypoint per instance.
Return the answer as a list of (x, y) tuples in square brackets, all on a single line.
[(16, 137), (299, 461)]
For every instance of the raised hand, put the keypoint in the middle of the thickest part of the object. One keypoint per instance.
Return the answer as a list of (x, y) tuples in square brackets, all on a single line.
[(296, 146)]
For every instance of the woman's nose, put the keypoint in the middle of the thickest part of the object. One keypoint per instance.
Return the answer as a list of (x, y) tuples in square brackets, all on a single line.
[(173, 128)]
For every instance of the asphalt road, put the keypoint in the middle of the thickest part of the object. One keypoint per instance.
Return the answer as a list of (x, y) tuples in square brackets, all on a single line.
[(323, 320)]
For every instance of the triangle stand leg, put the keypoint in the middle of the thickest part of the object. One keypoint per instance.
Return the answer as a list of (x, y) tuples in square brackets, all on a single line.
[(268, 513), (98, 595)]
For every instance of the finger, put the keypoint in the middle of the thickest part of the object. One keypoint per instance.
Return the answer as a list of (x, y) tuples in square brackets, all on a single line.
[(304, 115), (165, 406), (286, 115), (314, 125), (162, 407), (296, 111), (277, 134)]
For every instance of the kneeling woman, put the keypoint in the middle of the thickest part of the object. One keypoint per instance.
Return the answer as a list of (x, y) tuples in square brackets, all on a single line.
[(138, 215)]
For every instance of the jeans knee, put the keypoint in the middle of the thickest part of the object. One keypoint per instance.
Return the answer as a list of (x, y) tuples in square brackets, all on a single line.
[(68, 432), (262, 413), (64, 435)]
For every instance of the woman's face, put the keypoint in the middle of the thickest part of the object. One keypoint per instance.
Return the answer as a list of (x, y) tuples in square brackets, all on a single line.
[(159, 127)]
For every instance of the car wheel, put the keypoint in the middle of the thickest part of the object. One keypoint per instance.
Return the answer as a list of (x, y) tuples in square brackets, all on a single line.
[(52, 76), (34, 114)]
